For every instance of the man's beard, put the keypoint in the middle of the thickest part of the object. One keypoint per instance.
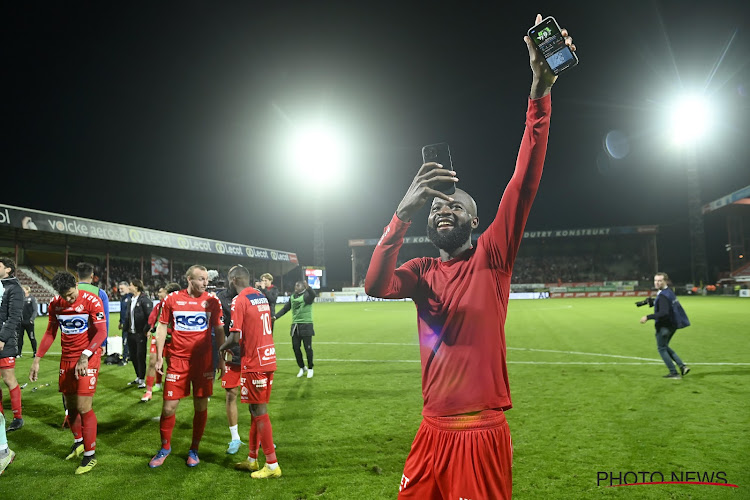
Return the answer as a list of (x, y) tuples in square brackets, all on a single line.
[(450, 240)]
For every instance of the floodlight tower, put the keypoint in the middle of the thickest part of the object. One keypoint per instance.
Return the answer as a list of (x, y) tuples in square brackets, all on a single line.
[(690, 121)]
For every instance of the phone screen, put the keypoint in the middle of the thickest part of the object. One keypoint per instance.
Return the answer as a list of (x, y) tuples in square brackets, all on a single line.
[(547, 37)]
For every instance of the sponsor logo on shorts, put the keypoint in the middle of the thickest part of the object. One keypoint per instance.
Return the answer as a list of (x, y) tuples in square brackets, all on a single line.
[(404, 480), (173, 377), (73, 324), (260, 384)]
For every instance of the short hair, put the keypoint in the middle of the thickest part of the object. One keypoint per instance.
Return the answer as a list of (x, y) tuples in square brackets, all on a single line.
[(123, 283), (172, 287), (63, 281), (138, 284), (85, 270), (189, 272), (665, 275), (27, 288), (8, 262), (267, 276), (238, 271)]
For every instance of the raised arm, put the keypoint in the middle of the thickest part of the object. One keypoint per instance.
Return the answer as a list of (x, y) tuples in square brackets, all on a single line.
[(504, 234)]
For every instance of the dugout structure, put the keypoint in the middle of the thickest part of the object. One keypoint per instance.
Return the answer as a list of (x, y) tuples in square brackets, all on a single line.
[(571, 257), (735, 209), (48, 240)]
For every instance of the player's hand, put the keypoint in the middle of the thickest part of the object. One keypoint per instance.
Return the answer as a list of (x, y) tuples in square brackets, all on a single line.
[(2, 345), (82, 366), (34, 372), (119, 326), (221, 366), (644, 319), (159, 364), (422, 189)]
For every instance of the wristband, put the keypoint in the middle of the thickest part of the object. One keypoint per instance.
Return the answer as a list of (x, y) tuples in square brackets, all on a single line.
[(87, 353)]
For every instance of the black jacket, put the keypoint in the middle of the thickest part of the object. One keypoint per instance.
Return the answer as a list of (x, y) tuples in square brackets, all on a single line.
[(30, 309), (143, 308), (11, 311), (272, 294)]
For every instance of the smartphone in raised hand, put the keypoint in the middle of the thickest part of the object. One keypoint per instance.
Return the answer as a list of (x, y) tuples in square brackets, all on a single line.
[(548, 39), (440, 153)]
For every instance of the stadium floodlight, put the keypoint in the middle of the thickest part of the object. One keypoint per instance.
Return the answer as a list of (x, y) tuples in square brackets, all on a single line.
[(318, 154), (691, 119)]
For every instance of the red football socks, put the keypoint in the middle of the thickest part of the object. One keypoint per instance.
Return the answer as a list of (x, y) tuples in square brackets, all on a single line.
[(266, 438), (199, 425), (166, 426), (253, 440), (88, 422), (76, 426), (15, 401)]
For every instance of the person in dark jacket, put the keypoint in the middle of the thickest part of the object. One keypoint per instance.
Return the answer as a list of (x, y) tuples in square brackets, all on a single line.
[(665, 328), (11, 312), (125, 296), (265, 285), (302, 330), (137, 310), (30, 312)]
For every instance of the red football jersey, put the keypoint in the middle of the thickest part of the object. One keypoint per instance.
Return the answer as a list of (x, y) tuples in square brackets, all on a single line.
[(80, 323), (191, 319), (462, 303), (251, 316)]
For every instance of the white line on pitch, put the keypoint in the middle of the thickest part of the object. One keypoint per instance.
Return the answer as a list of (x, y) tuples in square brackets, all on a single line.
[(334, 360)]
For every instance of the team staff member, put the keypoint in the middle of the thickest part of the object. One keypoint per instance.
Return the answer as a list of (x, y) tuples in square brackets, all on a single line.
[(193, 312), (30, 312), (139, 306), (251, 327), (265, 285), (80, 317), (230, 361), (153, 319), (11, 312), (125, 296), (665, 328), (300, 303), (463, 447)]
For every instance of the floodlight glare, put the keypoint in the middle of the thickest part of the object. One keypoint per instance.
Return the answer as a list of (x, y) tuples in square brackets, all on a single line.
[(318, 155), (690, 120)]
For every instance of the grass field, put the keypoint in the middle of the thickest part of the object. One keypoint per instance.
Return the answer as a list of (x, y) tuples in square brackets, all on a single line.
[(587, 391)]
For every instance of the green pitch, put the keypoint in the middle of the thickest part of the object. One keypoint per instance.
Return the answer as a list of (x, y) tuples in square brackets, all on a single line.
[(587, 391)]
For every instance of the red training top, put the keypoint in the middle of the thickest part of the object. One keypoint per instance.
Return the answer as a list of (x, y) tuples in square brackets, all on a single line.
[(462, 303)]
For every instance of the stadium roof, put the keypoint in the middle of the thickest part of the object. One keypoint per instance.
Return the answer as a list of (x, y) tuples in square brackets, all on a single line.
[(47, 228), (551, 233), (739, 197)]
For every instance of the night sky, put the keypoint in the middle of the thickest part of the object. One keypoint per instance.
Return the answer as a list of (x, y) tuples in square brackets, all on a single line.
[(175, 115)]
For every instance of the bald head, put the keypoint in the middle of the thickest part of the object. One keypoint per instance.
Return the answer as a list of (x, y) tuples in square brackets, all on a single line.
[(464, 199)]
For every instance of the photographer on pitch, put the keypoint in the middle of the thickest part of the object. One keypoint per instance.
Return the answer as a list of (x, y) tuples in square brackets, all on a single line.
[(664, 323)]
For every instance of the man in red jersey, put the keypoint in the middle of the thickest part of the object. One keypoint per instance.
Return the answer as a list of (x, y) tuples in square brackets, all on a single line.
[(153, 319), (192, 313), (81, 318), (251, 327), (463, 446)]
